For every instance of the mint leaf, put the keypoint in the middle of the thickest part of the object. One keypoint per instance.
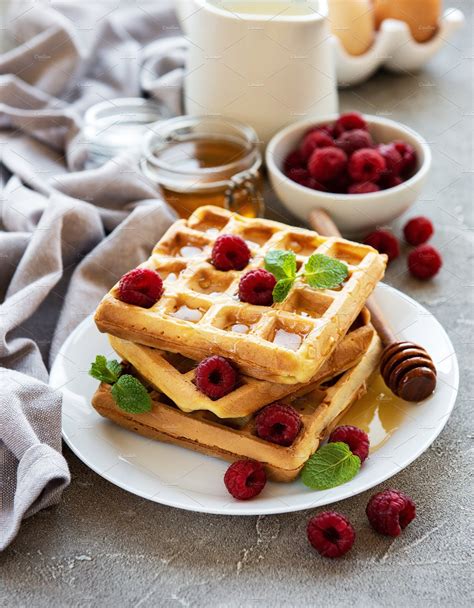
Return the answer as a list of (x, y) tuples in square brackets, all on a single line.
[(331, 466), (131, 396), (323, 272), (282, 289), (282, 264), (105, 371)]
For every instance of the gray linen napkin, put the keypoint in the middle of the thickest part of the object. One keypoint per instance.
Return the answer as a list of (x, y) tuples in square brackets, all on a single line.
[(65, 237)]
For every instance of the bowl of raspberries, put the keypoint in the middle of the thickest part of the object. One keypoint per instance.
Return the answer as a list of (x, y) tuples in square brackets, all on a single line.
[(364, 170)]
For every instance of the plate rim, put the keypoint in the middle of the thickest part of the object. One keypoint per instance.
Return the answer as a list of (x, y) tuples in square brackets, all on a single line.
[(270, 510)]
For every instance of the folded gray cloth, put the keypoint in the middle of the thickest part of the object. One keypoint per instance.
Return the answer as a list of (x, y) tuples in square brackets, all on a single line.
[(65, 236)]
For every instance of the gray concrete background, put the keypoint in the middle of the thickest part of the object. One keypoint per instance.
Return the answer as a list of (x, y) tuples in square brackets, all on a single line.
[(104, 547)]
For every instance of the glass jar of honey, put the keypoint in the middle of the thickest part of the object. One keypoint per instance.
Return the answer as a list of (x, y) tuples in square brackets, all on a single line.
[(202, 160)]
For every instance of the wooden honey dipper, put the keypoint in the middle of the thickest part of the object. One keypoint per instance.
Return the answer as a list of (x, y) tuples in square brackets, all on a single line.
[(406, 368)]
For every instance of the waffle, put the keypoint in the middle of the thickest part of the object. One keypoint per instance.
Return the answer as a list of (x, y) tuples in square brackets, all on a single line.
[(200, 312), (232, 439), (173, 374)]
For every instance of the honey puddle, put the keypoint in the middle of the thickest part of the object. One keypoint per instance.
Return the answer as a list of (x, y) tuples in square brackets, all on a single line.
[(379, 413)]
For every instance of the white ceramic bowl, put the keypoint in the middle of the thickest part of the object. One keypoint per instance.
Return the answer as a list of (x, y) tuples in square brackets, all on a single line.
[(354, 214)]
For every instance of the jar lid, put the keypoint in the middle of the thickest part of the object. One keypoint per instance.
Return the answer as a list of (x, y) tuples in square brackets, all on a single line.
[(116, 125)]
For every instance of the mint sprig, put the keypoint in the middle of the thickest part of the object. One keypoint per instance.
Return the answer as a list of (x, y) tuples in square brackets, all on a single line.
[(105, 371), (128, 392), (320, 271), (131, 396), (331, 466)]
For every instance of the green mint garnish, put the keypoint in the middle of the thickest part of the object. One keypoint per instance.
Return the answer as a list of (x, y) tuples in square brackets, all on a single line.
[(331, 466), (320, 272), (131, 396), (323, 272), (105, 371), (128, 392)]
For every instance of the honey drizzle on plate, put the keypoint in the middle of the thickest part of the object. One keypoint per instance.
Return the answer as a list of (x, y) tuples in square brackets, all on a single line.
[(379, 413)]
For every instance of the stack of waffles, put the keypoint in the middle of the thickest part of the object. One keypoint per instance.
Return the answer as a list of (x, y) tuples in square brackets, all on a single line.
[(315, 350)]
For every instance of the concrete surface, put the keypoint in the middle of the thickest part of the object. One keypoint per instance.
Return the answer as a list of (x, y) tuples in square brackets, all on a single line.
[(104, 547)]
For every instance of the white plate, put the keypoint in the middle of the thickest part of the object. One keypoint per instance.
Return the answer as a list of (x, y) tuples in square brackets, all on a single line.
[(184, 479)]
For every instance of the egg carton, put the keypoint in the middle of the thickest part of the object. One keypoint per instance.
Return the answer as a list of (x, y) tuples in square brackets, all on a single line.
[(395, 49)]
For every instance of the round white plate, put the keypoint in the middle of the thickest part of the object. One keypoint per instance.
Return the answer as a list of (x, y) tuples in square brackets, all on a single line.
[(181, 478)]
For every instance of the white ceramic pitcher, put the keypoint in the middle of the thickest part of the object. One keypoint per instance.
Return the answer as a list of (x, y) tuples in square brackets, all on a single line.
[(264, 70)]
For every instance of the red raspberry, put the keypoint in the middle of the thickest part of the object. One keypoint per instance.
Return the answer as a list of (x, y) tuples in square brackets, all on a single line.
[(389, 181), (327, 128), (418, 230), (409, 158), (350, 141), (393, 159), (339, 185), (312, 141), (355, 438), (363, 188), (385, 242), (278, 423), (331, 534), (230, 252), (390, 512), (348, 122), (302, 177), (424, 262), (141, 287), (215, 377), (292, 161), (256, 287), (245, 479), (366, 165), (327, 164)]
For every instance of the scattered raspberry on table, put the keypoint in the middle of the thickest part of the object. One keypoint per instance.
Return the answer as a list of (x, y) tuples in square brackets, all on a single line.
[(385, 242), (418, 230), (331, 534), (390, 511), (424, 262)]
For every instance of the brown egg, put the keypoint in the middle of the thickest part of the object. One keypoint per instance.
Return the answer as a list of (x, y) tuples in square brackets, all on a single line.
[(422, 16), (352, 21)]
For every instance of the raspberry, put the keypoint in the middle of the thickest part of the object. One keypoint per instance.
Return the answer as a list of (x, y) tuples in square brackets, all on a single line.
[(348, 122), (245, 479), (292, 161), (393, 159), (215, 377), (390, 512), (350, 141), (424, 262), (302, 177), (409, 157), (278, 423), (418, 230), (256, 287), (366, 165), (385, 242), (327, 164), (389, 181), (355, 438), (327, 128), (141, 287), (331, 534), (312, 141), (363, 188), (230, 252)]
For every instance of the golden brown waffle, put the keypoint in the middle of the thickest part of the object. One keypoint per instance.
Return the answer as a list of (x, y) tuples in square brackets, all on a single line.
[(173, 374), (232, 439), (200, 312)]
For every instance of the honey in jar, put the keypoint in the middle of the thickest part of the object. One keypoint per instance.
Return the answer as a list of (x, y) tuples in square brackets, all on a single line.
[(205, 161)]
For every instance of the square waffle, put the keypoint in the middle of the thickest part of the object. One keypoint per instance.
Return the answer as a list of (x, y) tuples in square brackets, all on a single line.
[(232, 439), (173, 374), (200, 312)]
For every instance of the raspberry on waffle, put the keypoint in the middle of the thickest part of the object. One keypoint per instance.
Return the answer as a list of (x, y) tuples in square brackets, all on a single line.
[(233, 439), (174, 375), (200, 312)]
